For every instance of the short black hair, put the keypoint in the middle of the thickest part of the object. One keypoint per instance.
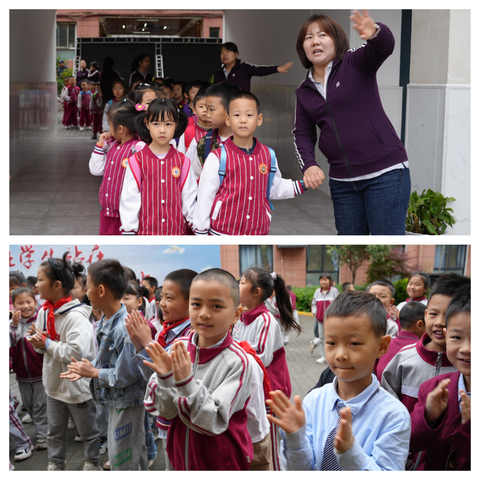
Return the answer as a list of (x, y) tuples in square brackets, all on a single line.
[(200, 94), (183, 278), (345, 285), (246, 95), (225, 278), (385, 283), (188, 86), (411, 313), (326, 275), (31, 281), (129, 274), (230, 46), (19, 291), (353, 303), (222, 90), (17, 278), (62, 270), (111, 274), (449, 285), (153, 282), (461, 303)]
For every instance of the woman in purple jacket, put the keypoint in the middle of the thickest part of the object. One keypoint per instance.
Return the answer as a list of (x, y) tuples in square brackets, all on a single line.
[(235, 71), (369, 175), (82, 73)]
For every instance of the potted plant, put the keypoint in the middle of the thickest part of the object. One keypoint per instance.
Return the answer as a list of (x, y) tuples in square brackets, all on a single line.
[(428, 213)]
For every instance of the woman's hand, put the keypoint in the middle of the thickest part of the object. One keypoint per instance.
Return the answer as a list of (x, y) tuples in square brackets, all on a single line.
[(313, 177), (363, 24), (285, 68)]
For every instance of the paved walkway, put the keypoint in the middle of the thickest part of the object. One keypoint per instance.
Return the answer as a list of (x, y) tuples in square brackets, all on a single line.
[(304, 374), (57, 195)]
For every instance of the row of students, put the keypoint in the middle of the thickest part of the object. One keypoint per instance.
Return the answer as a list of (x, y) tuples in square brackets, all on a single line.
[(236, 184)]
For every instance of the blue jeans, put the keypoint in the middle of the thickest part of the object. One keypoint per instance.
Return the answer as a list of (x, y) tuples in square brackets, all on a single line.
[(149, 441), (377, 206)]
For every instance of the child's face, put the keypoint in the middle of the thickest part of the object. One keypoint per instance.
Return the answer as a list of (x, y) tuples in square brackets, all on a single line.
[(192, 94), (167, 91), (84, 86), (148, 97), (458, 342), (216, 113), (416, 287), (150, 289), (118, 91), (200, 110), (91, 87), (48, 290), (72, 82), (435, 320), (246, 293), (12, 286), (112, 130), (131, 302), (212, 311), (383, 293), (351, 349), (25, 304), (78, 291), (94, 294), (244, 118), (324, 283), (173, 304), (162, 132), (177, 93)]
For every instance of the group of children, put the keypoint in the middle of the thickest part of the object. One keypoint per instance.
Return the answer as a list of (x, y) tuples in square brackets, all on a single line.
[(191, 168), (205, 356)]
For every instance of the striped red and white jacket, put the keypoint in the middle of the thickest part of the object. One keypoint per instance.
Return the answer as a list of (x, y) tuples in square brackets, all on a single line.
[(208, 408), (108, 161), (159, 197), (321, 301)]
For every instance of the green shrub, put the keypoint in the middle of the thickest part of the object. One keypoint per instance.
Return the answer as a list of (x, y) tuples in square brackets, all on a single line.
[(400, 290), (305, 295)]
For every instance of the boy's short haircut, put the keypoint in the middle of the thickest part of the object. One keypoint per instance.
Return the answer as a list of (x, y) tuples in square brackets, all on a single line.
[(461, 303), (246, 95), (194, 83), (326, 275), (200, 94), (222, 90), (19, 291), (183, 278), (353, 303), (449, 285), (346, 285), (18, 278), (411, 313), (31, 282), (144, 290), (225, 278), (385, 283), (153, 282), (111, 274), (179, 82), (129, 274)]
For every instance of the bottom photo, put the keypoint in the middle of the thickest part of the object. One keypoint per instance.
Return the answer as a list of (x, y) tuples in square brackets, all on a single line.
[(239, 357)]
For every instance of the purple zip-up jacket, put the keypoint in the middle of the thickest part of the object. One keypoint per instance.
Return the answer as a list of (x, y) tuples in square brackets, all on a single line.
[(242, 72), (356, 136)]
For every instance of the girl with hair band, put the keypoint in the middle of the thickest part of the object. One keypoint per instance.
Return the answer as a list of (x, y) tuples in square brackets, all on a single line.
[(143, 94), (158, 195), (264, 334), (109, 158), (63, 330)]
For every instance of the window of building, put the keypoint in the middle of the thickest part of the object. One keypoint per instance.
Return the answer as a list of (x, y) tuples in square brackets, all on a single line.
[(450, 258), (214, 32), (66, 35), (256, 256), (318, 261)]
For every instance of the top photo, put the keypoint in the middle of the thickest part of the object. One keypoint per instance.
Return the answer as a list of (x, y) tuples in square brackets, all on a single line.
[(240, 122)]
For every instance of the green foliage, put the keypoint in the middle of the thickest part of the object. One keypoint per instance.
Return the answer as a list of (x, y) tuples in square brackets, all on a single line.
[(400, 290), (428, 213), (386, 261), (304, 297), (68, 72), (351, 255)]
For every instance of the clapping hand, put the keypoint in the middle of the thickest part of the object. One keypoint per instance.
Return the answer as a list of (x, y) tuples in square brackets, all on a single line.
[(465, 403), (344, 438), (288, 416), (182, 364), (82, 369), (437, 401), (138, 330), (161, 361), (36, 338), (16, 318), (363, 24)]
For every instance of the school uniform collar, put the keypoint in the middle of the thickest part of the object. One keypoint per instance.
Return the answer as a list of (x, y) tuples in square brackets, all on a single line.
[(430, 356), (248, 317), (229, 142), (29, 320), (169, 154), (106, 324), (407, 334), (355, 403), (206, 354)]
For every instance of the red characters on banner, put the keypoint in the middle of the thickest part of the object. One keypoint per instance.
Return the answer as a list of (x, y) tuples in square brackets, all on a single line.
[(26, 253)]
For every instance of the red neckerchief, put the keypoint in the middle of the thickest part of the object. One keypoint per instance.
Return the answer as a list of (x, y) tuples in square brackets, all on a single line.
[(266, 381), (48, 305), (418, 299), (167, 326)]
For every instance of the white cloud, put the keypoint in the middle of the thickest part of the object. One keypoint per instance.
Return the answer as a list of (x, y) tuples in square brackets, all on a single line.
[(174, 249)]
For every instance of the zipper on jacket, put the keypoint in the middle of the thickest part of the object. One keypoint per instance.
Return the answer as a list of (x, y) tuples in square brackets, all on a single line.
[(438, 364), (25, 353)]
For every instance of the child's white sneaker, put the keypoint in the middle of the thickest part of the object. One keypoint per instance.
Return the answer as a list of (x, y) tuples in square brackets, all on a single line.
[(41, 444), (52, 467), (27, 419), (90, 466), (23, 454)]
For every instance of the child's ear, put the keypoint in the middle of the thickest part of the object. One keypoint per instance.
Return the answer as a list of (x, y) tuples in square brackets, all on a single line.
[(383, 345), (260, 119), (421, 326), (227, 120), (101, 291), (238, 313), (392, 301)]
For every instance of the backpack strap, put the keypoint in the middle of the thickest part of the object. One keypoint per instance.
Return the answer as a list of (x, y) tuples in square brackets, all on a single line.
[(135, 168), (271, 175), (184, 169), (223, 165), (208, 143), (189, 133)]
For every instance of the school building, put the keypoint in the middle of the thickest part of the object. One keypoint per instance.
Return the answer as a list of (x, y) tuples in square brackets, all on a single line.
[(424, 85), (301, 265)]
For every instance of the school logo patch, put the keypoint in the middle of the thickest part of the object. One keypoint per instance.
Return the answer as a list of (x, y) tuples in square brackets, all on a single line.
[(263, 168), (176, 172), (337, 84), (125, 163)]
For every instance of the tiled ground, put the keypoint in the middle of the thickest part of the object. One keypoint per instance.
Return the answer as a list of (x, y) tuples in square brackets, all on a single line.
[(57, 195), (304, 374)]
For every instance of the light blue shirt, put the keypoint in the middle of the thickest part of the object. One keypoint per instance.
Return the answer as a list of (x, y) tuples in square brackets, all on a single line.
[(381, 429), (461, 386)]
